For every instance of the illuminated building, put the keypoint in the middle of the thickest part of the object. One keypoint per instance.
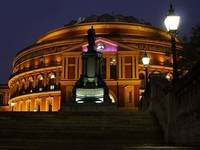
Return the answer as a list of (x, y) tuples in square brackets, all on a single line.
[(45, 72), (4, 97)]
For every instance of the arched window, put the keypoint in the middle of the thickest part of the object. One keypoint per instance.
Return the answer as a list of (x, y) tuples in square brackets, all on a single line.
[(17, 89), (30, 85), (52, 81), (40, 85), (113, 68), (23, 88), (41, 61)]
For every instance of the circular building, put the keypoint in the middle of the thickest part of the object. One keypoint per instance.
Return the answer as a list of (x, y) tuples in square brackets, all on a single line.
[(45, 72)]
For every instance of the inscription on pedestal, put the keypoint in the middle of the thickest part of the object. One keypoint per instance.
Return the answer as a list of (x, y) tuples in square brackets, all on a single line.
[(96, 95)]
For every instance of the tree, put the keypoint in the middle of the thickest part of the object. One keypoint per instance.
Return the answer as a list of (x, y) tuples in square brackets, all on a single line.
[(195, 38), (191, 50)]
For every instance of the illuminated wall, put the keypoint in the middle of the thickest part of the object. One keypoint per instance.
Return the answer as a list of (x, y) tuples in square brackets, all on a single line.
[(4, 97), (45, 73)]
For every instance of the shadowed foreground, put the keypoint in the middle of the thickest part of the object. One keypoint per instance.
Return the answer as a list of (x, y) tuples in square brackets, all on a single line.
[(80, 130)]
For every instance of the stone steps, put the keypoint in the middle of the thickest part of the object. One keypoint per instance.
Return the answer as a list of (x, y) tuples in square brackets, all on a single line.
[(78, 130)]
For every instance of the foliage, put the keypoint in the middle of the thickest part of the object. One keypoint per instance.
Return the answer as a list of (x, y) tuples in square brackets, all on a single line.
[(195, 38), (191, 50)]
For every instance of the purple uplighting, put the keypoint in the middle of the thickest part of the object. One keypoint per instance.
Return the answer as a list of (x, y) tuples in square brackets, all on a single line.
[(102, 46)]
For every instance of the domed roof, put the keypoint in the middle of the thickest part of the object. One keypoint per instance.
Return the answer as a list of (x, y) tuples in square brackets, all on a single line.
[(108, 18), (105, 25)]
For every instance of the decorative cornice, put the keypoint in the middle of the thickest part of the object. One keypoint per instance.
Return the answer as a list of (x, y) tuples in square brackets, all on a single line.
[(50, 93)]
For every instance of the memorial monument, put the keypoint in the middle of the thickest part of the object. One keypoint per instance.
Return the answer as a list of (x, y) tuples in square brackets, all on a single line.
[(91, 88)]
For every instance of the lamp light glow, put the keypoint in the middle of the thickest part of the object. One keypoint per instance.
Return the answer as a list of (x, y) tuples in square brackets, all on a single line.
[(172, 23), (172, 20), (145, 59), (168, 77)]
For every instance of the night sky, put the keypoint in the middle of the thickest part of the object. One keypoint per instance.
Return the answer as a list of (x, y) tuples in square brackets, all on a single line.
[(23, 21)]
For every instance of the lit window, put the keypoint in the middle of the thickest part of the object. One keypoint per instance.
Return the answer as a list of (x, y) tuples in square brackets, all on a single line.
[(52, 87), (52, 76), (113, 68), (42, 60), (113, 61), (41, 78), (52, 81), (40, 89)]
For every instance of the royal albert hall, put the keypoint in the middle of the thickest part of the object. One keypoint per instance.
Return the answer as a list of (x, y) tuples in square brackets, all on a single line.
[(45, 72)]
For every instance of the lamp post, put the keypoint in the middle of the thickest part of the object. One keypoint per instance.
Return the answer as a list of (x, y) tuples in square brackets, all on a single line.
[(172, 23), (145, 61)]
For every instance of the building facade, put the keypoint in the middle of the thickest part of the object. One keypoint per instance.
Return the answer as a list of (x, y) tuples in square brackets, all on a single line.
[(45, 72), (4, 97)]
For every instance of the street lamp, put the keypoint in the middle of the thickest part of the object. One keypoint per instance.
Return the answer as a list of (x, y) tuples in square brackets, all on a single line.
[(145, 61), (172, 23), (12, 105)]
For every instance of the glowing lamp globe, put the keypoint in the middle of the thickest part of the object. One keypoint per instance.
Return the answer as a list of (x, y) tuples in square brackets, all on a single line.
[(145, 59), (172, 21)]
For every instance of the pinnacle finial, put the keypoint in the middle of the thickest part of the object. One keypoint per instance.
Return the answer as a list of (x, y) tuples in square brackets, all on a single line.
[(171, 9)]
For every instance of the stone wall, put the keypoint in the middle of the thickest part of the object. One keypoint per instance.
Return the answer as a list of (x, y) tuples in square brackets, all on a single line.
[(176, 106)]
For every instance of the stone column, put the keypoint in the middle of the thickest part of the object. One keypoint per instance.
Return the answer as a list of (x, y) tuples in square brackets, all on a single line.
[(15, 107), (80, 66), (32, 104), (34, 81), (57, 77), (119, 67), (133, 68), (136, 67), (66, 71), (43, 104), (45, 82), (107, 68), (123, 67), (76, 68), (38, 102)]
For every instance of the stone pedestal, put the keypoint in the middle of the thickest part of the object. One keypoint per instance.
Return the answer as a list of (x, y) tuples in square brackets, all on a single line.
[(90, 91)]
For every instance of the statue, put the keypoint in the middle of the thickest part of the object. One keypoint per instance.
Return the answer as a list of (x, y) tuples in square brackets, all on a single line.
[(91, 39), (91, 88)]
